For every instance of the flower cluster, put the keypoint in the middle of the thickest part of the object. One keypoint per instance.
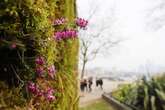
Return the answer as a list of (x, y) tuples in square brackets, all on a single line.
[(40, 60), (82, 23), (49, 94), (60, 35), (60, 21), (69, 33), (35, 90), (40, 69)]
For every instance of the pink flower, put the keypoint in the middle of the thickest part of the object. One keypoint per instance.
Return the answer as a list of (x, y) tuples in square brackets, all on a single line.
[(73, 33), (60, 21), (50, 97), (39, 71), (68, 33), (13, 45), (58, 36), (51, 71), (49, 94), (82, 23), (61, 35), (50, 91), (39, 93), (32, 87), (40, 60)]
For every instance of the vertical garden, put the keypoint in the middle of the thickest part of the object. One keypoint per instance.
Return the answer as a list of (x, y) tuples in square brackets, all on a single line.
[(39, 54)]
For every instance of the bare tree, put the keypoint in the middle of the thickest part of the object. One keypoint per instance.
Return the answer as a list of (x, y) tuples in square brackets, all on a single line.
[(97, 39), (88, 54), (157, 15)]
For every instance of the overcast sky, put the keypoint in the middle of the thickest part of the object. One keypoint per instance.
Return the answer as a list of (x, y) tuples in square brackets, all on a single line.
[(137, 22)]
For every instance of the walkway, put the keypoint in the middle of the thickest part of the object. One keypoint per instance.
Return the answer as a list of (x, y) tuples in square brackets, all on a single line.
[(96, 94), (98, 105)]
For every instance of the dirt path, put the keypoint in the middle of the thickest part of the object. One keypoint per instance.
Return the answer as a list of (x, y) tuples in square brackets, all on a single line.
[(88, 98)]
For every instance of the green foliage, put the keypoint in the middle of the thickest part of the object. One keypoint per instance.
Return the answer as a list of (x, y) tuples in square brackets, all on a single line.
[(26, 22), (10, 97), (122, 94), (145, 95)]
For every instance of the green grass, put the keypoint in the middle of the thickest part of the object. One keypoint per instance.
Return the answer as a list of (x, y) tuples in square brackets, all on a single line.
[(98, 105)]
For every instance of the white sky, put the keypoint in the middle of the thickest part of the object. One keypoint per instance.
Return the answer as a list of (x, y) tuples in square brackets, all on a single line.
[(132, 22)]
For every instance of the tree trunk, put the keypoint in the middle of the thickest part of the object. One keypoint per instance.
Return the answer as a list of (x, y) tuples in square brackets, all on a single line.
[(83, 69)]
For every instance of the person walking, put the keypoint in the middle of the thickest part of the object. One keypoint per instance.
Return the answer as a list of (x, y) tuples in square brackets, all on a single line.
[(90, 82), (99, 82)]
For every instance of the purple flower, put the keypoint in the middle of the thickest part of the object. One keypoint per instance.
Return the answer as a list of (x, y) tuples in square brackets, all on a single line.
[(40, 60), (60, 21), (50, 91), (82, 23), (73, 33), (58, 36), (68, 33), (39, 93), (50, 97), (49, 94), (39, 71), (32, 87), (13, 45), (51, 71), (65, 34)]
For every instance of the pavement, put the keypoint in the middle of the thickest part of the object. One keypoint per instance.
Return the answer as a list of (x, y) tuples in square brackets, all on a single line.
[(108, 86)]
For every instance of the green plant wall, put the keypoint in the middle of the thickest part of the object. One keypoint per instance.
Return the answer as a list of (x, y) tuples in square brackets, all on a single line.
[(26, 32), (68, 56)]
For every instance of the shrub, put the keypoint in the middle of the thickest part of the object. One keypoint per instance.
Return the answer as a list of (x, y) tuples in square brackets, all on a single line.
[(145, 95)]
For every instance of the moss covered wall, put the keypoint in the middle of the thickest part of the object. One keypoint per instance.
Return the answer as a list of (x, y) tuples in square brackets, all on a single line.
[(68, 56), (25, 33)]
